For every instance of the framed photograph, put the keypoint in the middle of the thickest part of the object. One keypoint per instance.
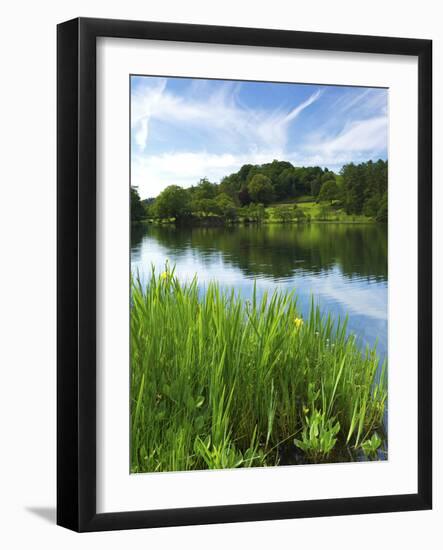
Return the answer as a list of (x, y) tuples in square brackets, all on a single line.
[(244, 274)]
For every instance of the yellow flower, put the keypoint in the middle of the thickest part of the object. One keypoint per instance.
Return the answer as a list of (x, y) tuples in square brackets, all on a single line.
[(298, 322), (305, 410), (164, 275)]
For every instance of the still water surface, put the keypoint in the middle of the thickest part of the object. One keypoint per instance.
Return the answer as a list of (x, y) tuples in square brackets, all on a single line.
[(343, 266)]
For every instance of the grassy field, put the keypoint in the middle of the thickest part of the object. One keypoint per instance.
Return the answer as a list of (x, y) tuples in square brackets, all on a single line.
[(317, 211), (301, 210), (219, 382)]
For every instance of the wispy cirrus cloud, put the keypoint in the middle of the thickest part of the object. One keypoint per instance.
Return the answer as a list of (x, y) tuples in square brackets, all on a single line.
[(219, 114), (357, 140)]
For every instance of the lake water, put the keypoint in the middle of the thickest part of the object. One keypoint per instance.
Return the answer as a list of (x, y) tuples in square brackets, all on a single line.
[(343, 266)]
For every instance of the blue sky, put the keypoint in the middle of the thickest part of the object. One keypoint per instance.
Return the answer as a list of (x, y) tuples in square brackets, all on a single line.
[(184, 129)]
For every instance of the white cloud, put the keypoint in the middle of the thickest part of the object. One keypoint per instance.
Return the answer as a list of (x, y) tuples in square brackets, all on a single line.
[(361, 137), (143, 105), (219, 115), (141, 132), (365, 103), (297, 110)]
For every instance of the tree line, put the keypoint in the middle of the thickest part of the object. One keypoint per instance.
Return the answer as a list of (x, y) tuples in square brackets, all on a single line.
[(358, 189)]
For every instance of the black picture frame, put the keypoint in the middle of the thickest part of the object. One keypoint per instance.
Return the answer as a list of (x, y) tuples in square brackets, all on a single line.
[(76, 273)]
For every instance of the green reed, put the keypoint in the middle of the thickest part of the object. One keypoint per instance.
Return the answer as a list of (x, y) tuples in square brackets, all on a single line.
[(222, 382)]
